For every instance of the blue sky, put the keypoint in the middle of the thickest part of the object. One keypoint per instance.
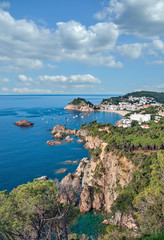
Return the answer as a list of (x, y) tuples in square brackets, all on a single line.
[(89, 46)]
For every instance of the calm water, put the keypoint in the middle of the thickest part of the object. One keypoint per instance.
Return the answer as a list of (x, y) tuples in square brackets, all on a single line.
[(24, 154)]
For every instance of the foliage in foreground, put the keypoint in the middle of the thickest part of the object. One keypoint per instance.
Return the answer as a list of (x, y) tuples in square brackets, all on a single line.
[(37, 210), (143, 196)]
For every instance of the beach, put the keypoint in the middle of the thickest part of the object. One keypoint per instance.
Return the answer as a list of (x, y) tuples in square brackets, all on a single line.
[(123, 113)]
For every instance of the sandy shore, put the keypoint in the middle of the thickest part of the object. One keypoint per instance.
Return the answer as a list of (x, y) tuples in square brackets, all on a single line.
[(123, 113)]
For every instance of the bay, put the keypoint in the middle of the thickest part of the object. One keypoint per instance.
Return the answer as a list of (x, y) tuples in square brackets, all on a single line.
[(24, 154)]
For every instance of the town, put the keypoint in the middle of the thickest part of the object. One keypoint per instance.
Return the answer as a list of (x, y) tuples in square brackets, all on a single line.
[(138, 110)]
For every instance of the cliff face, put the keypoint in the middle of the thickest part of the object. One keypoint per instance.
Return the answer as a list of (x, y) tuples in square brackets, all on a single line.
[(104, 176)]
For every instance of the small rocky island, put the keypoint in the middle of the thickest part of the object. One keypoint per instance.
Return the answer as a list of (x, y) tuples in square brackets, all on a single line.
[(24, 123), (80, 104)]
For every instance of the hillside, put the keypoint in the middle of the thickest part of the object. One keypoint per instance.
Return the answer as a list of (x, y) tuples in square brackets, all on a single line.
[(125, 177), (80, 104), (157, 96)]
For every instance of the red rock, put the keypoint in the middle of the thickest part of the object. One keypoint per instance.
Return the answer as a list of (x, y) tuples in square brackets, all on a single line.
[(24, 123)]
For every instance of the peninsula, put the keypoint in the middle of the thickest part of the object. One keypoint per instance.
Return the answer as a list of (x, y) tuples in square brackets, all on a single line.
[(80, 104)]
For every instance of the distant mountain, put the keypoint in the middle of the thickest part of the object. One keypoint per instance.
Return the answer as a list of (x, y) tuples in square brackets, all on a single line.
[(157, 96)]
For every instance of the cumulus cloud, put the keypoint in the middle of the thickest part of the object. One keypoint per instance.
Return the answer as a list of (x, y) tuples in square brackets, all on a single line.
[(143, 18), (158, 45), (25, 45), (24, 78), (4, 80), (131, 50), (73, 79)]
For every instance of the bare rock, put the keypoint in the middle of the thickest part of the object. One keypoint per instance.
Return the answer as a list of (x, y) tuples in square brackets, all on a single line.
[(68, 161), (81, 168), (62, 170), (58, 135), (98, 200), (52, 143), (24, 123), (124, 220), (85, 204), (61, 131), (69, 139), (80, 141), (75, 162), (43, 178), (70, 181), (58, 128), (105, 222)]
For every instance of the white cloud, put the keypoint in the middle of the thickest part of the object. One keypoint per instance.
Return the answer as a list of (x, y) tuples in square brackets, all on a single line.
[(143, 18), (131, 50), (4, 89), (30, 91), (4, 5), (73, 79), (157, 62), (160, 86), (24, 78), (4, 80), (158, 45), (25, 45)]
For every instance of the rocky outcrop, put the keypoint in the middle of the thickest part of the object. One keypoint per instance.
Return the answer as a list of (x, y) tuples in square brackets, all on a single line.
[(62, 170), (74, 179), (91, 143), (52, 143), (24, 123), (71, 181), (80, 141), (61, 131), (80, 108), (80, 104), (43, 178), (103, 178), (68, 139), (124, 220)]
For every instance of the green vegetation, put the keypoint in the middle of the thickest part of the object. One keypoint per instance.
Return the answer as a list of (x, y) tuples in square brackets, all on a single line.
[(35, 211), (143, 196), (157, 96), (158, 236), (112, 100), (127, 140), (45, 209), (81, 101), (74, 236)]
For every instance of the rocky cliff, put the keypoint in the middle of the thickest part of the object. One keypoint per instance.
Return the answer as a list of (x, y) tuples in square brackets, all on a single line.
[(103, 178), (80, 104)]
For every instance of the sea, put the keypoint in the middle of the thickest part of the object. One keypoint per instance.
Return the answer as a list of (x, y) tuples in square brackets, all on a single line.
[(24, 153)]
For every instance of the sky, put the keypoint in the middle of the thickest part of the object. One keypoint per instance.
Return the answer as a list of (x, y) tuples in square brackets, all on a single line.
[(81, 46)]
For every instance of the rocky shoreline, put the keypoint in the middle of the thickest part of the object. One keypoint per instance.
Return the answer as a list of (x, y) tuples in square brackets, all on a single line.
[(99, 177)]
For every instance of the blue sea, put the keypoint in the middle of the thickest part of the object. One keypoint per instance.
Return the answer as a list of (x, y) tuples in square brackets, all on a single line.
[(24, 154)]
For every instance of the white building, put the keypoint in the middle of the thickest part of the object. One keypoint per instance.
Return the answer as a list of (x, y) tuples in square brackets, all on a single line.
[(140, 117)]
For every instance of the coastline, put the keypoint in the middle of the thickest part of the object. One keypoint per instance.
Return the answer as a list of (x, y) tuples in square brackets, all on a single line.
[(123, 113)]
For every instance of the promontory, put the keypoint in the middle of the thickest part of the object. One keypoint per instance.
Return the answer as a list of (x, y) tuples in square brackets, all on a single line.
[(80, 104)]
